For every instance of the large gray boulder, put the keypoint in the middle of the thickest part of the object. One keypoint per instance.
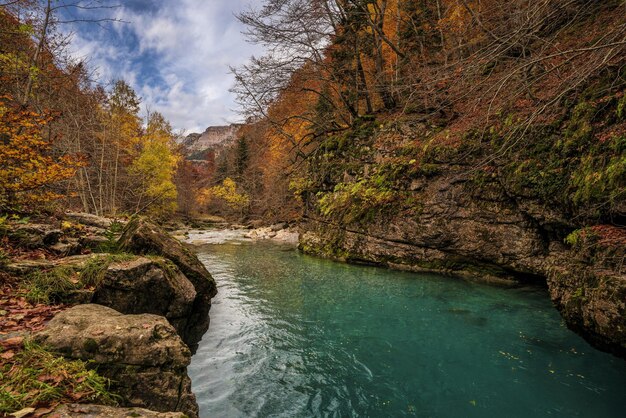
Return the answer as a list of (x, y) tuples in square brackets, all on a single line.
[(149, 285), (142, 355), (142, 237)]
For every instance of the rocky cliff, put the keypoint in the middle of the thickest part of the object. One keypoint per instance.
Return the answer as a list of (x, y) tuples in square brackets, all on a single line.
[(401, 194), (485, 237), (214, 138)]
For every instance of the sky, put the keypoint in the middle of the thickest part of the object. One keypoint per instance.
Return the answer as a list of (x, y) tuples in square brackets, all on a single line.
[(174, 53)]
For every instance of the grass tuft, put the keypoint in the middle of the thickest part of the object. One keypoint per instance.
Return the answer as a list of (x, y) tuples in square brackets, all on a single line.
[(46, 286), (37, 377)]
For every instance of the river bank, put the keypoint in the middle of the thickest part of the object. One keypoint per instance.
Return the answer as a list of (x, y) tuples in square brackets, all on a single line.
[(157, 294), (122, 303)]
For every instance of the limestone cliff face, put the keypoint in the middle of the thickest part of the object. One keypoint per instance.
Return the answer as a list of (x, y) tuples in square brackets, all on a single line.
[(484, 236), (214, 138), (456, 231), (445, 218)]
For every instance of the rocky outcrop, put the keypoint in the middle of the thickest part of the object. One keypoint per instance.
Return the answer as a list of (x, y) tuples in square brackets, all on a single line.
[(214, 138), (142, 237), (73, 234), (143, 313), (32, 236), (149, 285), (142, 355), (483, 233), (90, 411), (593, 303), (589, 287), (89, 219), (456, 231)]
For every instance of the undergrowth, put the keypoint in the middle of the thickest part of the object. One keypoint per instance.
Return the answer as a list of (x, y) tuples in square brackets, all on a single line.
[(46, 286), (36, 377), (111, 234)]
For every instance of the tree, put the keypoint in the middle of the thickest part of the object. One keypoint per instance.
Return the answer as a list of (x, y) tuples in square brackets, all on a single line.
[(155, 168), (225, 193), (28, 166), (124, 127), (242, 156)]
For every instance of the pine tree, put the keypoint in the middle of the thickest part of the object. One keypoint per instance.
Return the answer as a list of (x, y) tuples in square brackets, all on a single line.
[(242, 155)]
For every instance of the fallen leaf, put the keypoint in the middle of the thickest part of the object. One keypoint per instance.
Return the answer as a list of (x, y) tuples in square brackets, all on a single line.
[(7, 355), (12, 341), (23, 412), (42, 411), (77, 396)]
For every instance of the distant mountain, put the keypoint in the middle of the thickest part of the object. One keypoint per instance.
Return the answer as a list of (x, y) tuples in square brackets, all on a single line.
[(214, 138)]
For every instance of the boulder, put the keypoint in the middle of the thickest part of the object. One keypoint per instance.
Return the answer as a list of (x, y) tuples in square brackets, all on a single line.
[(33, 236), (93, 241), (142, 237), (26, 267), (90, 411), (67, 247), (142, 355), (149, 285), (279, 226), (89, 219), (592, 301)]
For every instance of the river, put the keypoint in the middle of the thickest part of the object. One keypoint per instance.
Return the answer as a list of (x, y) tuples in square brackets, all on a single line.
[(296, 336)]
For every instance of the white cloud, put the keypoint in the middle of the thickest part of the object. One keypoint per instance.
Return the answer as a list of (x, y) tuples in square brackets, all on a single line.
[(186, 46)]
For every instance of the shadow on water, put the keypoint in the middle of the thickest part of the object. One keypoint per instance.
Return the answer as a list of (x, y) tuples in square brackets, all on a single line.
[(296, 336)]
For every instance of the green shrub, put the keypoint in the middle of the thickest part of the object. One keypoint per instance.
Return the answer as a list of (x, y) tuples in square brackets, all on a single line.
[(111, 234), (352, 201)]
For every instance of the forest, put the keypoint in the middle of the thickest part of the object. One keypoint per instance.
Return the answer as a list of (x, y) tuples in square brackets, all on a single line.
[(482, 140), (529, 93), (482, 83)]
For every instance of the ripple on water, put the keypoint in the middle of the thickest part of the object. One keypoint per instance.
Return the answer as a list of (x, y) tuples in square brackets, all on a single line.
[(295, 336)]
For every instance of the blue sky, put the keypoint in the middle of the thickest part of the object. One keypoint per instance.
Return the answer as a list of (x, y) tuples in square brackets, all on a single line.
[(175, 54)]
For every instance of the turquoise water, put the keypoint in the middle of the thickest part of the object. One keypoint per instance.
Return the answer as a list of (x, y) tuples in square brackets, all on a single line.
[(296, 336)]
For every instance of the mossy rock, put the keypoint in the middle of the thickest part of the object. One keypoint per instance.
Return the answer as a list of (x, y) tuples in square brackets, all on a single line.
[(143, 237)]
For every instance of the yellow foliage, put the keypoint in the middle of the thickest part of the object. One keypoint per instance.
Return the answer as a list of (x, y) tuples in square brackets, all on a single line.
[(156, 166), (27, 166), (227, 193)]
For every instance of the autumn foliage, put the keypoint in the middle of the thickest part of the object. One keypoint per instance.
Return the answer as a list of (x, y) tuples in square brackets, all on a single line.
[(28, 164), (67, 140), (456, 79)]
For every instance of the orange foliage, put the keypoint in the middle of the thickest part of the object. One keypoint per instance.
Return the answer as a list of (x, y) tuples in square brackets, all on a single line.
[(27, 165)]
